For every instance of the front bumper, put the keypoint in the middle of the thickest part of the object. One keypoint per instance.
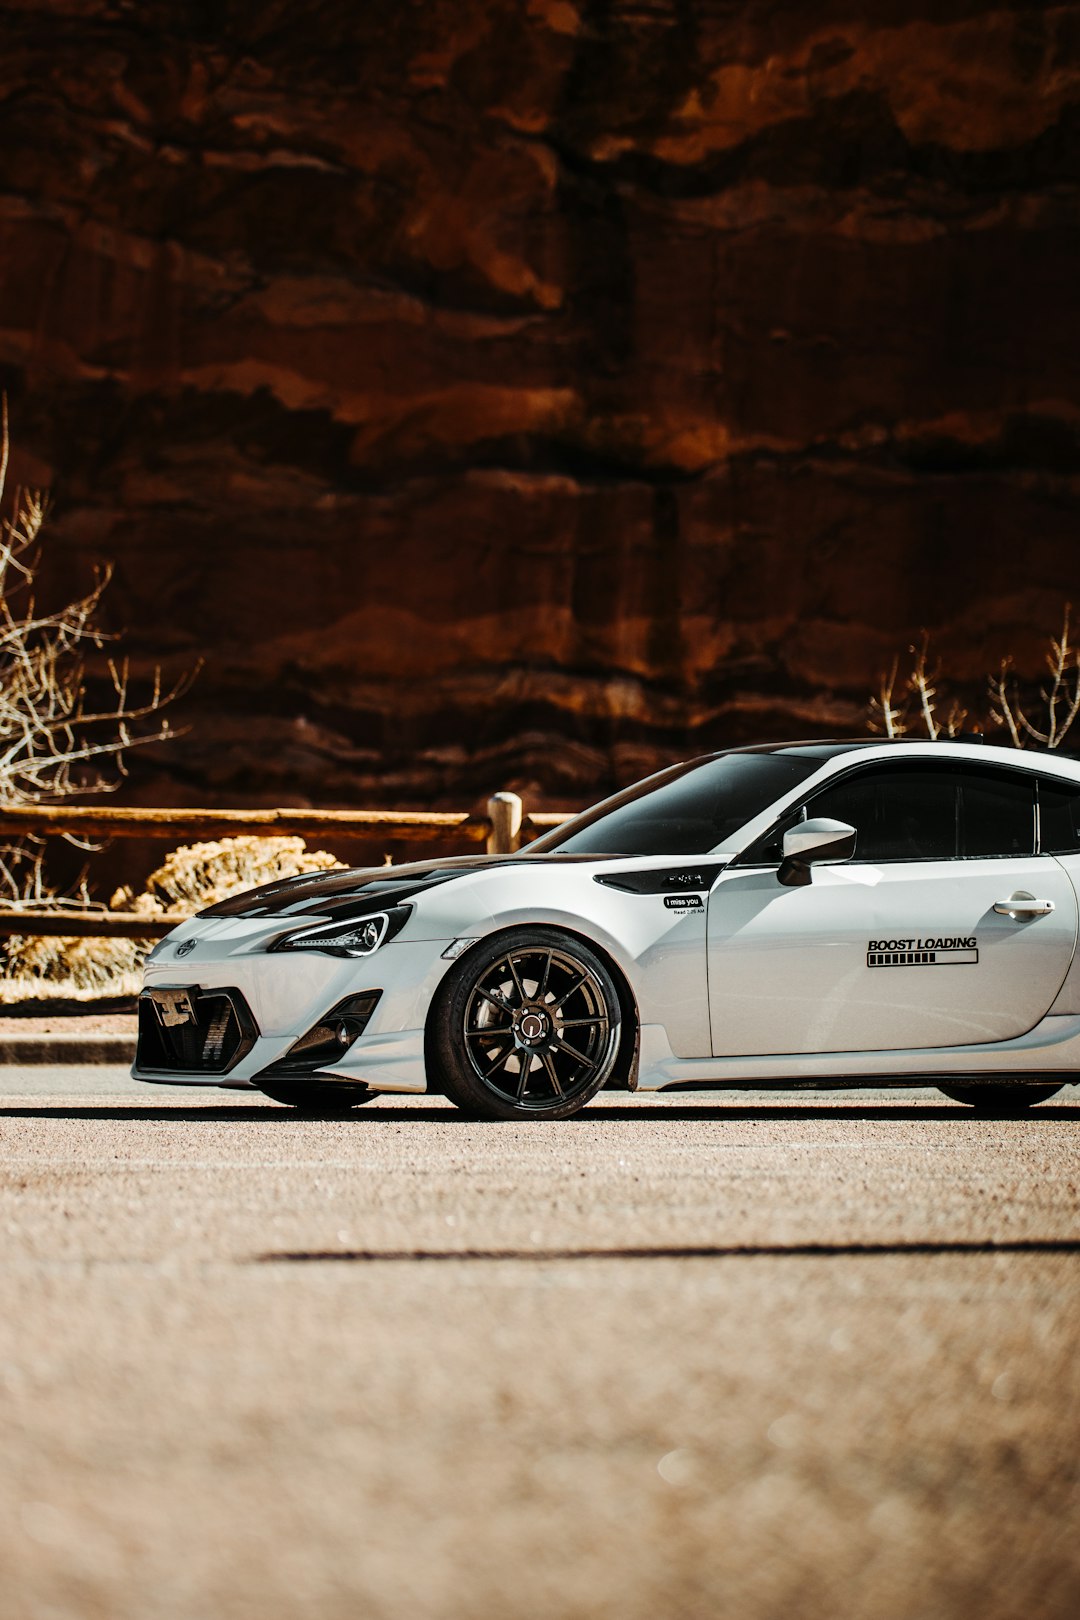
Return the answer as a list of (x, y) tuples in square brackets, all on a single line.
[(286, 994)]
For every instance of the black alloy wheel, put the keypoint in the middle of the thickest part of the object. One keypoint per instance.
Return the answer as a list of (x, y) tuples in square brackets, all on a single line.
[(318, 1097), (997, 1098), (527, 1027)]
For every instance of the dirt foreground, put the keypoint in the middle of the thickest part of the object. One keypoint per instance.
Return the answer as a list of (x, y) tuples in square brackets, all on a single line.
[(736, 1358)]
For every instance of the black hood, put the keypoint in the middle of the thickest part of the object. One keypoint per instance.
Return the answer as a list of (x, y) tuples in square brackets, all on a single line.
[(362, 888)]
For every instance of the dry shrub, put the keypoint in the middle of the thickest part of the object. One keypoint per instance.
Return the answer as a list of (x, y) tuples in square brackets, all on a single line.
[(198, 875), (70, 969), (192, 877)]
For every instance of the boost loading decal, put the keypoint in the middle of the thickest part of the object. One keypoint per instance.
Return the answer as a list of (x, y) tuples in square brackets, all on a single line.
[(921, 952)]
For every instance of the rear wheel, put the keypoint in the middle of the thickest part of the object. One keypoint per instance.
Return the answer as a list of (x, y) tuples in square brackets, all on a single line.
[(999, 1099), (318, 1097), (527, 1027)]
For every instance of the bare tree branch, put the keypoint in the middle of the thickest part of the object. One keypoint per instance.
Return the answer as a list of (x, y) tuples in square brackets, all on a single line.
[(53, 743), (922, 685), (1059, 698), (885, 715)]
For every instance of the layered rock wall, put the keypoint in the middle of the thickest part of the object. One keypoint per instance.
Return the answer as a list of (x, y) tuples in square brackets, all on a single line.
[(526, 392)]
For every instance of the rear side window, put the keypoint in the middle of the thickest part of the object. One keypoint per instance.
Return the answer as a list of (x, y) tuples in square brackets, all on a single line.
[(1059, 817), (929, 812), (997, 814)]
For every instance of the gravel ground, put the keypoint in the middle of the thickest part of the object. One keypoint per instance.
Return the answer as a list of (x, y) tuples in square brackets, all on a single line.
[(741, 1357)]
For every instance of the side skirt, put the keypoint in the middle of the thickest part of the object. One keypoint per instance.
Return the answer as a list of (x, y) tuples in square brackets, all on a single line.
[(1050, 1050)]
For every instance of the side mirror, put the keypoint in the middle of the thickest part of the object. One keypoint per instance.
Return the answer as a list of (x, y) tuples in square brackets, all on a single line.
[(816, 841)]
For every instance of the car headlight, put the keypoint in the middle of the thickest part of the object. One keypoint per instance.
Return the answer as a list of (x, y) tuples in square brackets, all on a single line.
[(356, 936)]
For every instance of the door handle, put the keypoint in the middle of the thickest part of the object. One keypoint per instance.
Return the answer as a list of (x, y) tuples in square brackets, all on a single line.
[(1021, 905)]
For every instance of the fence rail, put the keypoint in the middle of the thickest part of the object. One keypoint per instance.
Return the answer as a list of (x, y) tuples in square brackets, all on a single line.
[(183, 825), (86, 924), (501, 831)]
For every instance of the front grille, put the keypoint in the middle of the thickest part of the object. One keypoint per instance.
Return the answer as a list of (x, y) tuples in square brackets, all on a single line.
[(188, 1030)]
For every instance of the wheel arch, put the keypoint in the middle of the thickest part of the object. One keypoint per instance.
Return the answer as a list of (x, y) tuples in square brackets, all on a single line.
[(624, 1074)]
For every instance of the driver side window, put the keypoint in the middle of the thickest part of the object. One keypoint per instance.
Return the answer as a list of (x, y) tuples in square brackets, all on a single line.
[(900, 814), (922, 811)]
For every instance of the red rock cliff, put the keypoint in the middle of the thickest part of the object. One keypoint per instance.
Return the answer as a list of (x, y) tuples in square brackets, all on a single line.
[(508, 392)]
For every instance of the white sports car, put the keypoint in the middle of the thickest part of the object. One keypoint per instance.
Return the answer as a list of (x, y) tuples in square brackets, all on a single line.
[(819, 914)]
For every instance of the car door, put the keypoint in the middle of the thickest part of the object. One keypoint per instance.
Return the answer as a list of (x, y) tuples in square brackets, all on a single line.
[(902, 946)]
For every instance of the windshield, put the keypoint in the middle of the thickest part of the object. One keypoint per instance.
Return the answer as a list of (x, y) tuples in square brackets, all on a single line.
[(687, 810)]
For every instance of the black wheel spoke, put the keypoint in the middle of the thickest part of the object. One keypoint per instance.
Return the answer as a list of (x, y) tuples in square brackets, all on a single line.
[(495, 1033), (552, 1073), (518, 986), (542, 992), (564, 1046), (580, 1023), (496, 998), (523, 1081), (500, 1061), (577, 984)]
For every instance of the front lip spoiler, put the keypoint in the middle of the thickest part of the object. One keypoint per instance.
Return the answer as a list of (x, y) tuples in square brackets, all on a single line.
[(210, 1082)]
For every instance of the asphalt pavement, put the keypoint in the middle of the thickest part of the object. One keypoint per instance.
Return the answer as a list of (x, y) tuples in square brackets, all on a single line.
[(741, 1355)]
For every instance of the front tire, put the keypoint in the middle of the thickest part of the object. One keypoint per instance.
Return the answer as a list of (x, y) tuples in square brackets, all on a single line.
[(527, 1026), (318, 1098), (999, 1099)]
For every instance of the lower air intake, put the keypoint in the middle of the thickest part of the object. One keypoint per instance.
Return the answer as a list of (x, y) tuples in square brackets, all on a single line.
[(327, 1041)]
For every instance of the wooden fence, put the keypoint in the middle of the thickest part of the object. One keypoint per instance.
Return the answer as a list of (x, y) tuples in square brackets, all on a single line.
[(504, 829)]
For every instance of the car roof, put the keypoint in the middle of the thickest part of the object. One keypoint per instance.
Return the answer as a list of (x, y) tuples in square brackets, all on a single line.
[(1043, 760)]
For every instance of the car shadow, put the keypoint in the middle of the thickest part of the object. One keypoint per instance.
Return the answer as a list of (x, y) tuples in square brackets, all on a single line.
[(690, 1251), (788, 1110), (375, 1113), (112, 1110)]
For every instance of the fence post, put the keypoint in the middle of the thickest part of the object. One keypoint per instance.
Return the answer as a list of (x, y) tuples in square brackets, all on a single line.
[(504, 810)]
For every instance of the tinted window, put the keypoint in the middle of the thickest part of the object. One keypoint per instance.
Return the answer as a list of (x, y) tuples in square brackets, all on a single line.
[(926, 812), (1059, 817), (685, 811), (902, 813), (997, 814)]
